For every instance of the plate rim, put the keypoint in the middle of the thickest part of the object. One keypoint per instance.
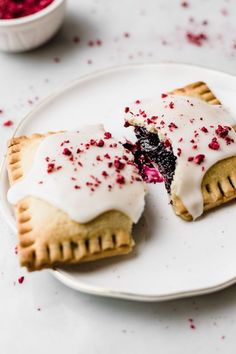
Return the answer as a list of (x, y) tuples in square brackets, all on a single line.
[(106, 292), (98, 73), (57, 273)]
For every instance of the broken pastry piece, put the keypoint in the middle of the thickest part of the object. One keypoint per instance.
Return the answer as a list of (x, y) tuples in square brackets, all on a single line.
[(76, 196), (190, 138)]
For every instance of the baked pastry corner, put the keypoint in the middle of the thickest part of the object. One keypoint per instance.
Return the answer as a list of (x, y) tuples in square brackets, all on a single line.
[(47, 236)]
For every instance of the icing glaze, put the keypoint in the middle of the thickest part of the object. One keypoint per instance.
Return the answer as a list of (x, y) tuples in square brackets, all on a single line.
[(200, 135), (84, 173)]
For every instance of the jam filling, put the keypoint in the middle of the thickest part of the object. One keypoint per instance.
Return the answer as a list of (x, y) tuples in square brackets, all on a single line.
[(149, 150)]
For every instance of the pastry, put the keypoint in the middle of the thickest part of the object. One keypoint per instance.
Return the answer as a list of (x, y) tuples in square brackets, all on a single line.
[(189, 137), (76, 196)]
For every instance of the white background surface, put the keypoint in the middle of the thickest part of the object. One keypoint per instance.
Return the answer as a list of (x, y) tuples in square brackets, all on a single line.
[(69, 321)]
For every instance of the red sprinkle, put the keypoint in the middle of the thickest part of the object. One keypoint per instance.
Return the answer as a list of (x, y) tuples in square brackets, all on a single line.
[(167, 143), (100, 143), (190, 158), (126, 124), (92, 142), (214, 145), (76, 39), (172, 126), (107, 135), (67, 152), (149, 121), (120, 179), (126, 109), (126, 34), (179, 151), (204, 129), (222, 131), (185, 4), (21, 279), (171, 105), (119, 165), (8, 123), (50, 167), (198, 159), (90, 43), (164, 95), (196, 39), (137, 101), (191, 323), (104, 174), (56, 60), (224, 12), (229, 140)]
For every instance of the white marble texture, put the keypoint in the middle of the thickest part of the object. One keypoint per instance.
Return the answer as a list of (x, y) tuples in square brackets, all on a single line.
[(69, 321)]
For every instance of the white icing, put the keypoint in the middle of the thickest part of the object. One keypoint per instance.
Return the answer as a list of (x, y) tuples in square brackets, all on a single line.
[(58, 187), (189, 115)]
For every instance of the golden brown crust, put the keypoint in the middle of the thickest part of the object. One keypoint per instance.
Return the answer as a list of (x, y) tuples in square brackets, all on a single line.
[(47, 236), (219, 182), (198, 89), (18, 163), (218, 187)]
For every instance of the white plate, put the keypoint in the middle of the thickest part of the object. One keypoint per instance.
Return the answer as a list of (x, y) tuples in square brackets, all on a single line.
[(172, 258)]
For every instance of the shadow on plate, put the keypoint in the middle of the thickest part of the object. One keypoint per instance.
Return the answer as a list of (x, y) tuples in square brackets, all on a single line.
[(142, 234)]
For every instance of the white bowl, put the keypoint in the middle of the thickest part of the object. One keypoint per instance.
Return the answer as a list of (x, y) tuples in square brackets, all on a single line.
[(25, 33)]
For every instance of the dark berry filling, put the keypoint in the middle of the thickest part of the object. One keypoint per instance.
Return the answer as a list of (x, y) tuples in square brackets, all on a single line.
[(148, 150)]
